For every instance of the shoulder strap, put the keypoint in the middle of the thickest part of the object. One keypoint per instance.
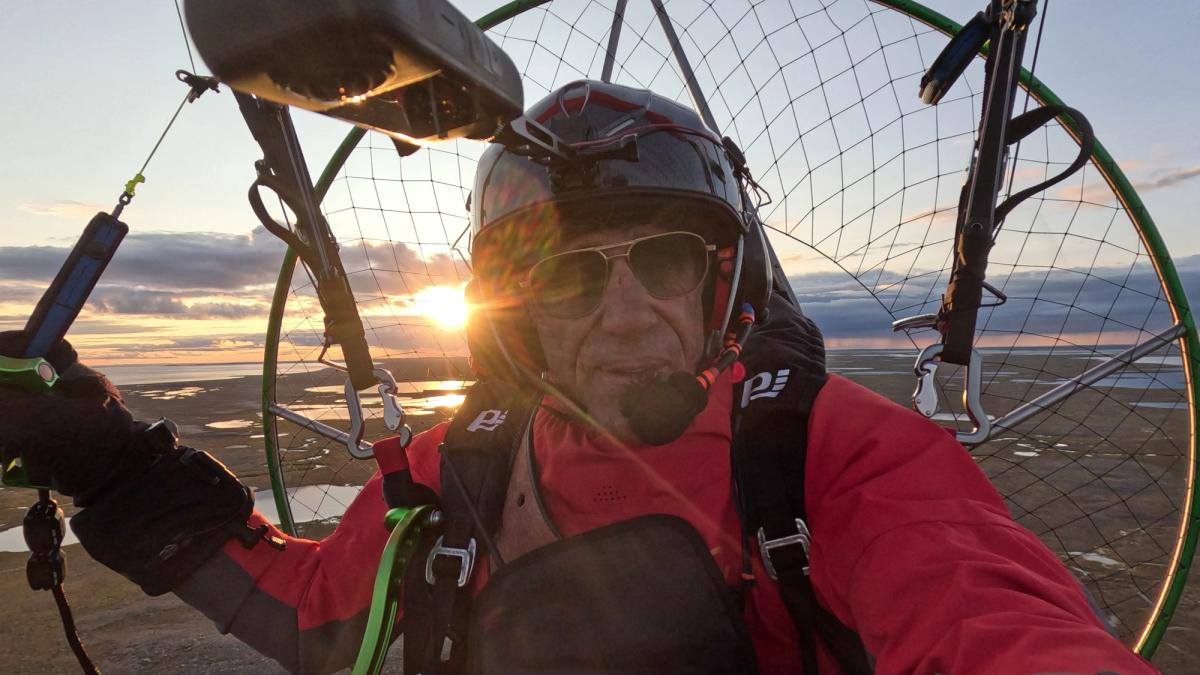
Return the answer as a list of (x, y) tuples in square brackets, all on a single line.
[(477, 454), (785, 367)]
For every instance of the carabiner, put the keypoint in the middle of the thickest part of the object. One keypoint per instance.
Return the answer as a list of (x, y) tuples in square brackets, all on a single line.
[(393, 412), (925, 399), (393, 415)]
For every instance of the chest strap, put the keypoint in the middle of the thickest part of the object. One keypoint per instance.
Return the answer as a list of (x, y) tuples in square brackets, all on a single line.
[(477, 459), (785, 370)]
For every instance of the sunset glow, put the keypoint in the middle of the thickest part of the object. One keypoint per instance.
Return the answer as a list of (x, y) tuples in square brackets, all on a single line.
[(444, 306)]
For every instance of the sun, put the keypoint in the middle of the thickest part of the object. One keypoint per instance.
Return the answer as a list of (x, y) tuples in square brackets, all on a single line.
[(444, 306)]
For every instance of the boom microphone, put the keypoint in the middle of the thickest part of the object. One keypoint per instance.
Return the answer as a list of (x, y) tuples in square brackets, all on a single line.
[(659, 410)]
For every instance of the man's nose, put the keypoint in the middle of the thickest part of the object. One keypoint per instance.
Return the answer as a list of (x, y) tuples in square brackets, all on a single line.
[(626, 306)]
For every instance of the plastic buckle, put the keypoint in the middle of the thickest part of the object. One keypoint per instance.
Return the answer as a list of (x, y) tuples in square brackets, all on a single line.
[(465, 556), (765, 547)]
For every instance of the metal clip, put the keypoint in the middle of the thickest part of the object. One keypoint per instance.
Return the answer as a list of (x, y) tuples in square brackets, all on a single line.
[(918, 321), (393, 414), (466, 557), (357, 428), (765, 546), (925, 399)]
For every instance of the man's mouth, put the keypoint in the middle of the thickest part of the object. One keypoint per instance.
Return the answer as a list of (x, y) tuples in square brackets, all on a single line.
[(634, 369)]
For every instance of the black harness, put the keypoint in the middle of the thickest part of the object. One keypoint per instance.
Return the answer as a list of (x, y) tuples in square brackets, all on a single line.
[(448, 631)]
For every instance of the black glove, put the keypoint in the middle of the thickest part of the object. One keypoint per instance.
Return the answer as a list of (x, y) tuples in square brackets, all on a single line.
[(77, 439), (153, 510)]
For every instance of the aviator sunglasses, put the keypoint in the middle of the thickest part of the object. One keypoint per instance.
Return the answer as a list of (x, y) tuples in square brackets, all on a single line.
[(571, 284)]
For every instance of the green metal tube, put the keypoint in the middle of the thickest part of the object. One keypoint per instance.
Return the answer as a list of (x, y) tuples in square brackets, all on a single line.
[(506, 12), (407, 526)]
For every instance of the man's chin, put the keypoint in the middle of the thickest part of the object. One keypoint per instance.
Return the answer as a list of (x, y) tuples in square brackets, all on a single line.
[(603, 398), (606, 414)]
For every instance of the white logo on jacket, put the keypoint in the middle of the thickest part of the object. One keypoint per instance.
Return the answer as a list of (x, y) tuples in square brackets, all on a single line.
[(488, 420), (764, 385)]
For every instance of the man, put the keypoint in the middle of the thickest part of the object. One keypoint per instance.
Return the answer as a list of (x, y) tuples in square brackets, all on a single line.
[(609, 499)]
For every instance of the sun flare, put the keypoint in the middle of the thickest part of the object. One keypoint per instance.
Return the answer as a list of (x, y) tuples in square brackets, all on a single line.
[(444, 306)]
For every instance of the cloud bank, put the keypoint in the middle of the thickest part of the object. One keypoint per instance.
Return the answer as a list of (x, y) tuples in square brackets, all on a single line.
[(205, 276), (201, 275), (1043, 302)]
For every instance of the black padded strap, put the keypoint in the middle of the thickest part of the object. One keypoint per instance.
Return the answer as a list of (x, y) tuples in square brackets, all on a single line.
[(1027, 123), (477, 454), (785, 370), (801, 601)]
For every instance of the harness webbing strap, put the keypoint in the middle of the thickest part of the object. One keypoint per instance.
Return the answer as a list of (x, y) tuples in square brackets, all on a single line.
[(785, 367), (477, 454), (773, 484), (762, 491), (845, 645)]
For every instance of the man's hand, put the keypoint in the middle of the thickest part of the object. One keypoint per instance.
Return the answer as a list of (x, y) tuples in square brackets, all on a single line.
[(152, 513), (75, 439)]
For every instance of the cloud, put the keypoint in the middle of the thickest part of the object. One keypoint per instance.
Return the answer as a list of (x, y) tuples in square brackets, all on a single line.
[(94, 326), (1171, 178), (187, 260), (201, 262), (192, 344), (396, 269), (197, 260), (22, 293), (148, 302), (62, 208), (1097, 301), (390, 341), (228, 310), (201, 275), (936, 213), (1100, 193), (137, 301)]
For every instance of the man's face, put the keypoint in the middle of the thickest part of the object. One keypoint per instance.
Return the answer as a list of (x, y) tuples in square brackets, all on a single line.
[(630, 336)]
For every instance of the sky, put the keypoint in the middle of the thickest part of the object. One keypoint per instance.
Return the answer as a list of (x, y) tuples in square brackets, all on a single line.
[(88, 87)]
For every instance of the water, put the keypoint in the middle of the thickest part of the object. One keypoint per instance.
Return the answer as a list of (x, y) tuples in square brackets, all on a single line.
[(127, 375)]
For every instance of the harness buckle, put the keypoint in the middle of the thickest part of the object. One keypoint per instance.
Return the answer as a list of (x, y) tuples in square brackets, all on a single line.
[(466, 558), (765, 546)]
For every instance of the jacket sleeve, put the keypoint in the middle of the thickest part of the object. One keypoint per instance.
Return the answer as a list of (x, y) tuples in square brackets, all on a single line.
[(304, 605), (914, 548)]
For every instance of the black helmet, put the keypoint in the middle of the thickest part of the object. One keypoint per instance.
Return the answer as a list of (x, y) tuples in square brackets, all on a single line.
[(677, 158), (611, 153)]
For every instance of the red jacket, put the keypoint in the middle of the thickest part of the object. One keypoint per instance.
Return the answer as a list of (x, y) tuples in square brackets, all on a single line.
[(912, 547)]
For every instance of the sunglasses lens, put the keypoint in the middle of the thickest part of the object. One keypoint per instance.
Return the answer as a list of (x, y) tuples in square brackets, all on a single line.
[(669, 265), (569, 285)]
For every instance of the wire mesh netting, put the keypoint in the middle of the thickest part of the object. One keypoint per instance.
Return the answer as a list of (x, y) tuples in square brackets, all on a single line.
[(863, 181)]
